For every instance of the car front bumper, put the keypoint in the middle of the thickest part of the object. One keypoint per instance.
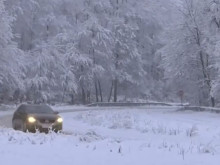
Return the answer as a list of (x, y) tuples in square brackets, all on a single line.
[(44, 127)]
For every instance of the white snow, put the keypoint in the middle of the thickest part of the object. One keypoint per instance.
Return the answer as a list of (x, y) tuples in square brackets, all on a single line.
[(119, 136)]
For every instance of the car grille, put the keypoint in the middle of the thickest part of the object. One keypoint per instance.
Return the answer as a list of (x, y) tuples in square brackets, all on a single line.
[(46, 121)]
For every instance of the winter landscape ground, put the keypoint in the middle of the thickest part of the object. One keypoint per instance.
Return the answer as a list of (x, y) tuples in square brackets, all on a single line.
[(117, 136)]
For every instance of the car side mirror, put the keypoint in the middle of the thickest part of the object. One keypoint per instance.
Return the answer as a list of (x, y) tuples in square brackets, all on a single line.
[(56, 112)]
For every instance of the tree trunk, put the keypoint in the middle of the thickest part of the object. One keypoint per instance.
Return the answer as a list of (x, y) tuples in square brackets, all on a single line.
[(96, 91), (213, 101), (206, 76), (76, 18), (64, 92), (115, 89), (204, 64), (72, 98), (116, 79), (88, 96), (110, 95), (100, 90), (83, 96)]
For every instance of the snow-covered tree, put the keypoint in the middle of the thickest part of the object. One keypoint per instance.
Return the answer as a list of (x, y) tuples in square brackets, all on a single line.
[(85, 50), (189, 58), (10, 75)]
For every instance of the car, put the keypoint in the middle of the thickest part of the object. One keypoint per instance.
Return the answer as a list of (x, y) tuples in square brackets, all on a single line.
[(31, 117)]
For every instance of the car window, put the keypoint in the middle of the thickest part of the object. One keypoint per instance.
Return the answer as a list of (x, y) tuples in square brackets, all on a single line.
[(38, 109), (21, 109)]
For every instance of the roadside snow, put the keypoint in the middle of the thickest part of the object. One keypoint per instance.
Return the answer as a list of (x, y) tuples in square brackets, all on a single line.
[(113, 136)]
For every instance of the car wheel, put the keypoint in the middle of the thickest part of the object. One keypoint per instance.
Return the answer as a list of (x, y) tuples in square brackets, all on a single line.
[(14, 125), (19, 125), (23, 127)]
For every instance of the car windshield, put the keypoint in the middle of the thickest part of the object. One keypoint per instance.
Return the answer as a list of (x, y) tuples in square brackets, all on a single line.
[(36, 109)]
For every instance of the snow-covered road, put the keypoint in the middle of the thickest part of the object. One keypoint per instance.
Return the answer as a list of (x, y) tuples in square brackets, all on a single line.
[(119, 136), (6, 116)]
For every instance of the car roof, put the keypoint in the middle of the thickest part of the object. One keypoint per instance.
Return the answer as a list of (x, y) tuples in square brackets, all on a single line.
[(34, 107)]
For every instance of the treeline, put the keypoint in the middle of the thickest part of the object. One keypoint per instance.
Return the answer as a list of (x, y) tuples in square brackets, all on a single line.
[(79, 51), (86, 51)]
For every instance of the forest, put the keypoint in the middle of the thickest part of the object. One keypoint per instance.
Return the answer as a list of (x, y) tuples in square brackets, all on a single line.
[(84, 51)]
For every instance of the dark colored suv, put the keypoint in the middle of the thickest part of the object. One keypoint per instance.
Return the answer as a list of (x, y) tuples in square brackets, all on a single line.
[(36, 117)]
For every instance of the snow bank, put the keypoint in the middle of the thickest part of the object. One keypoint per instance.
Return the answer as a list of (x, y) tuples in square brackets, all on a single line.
[(200, 109)]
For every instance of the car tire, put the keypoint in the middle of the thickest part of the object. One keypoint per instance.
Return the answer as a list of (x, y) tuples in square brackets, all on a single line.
[(23, 127), (19, 125), (14, 125)]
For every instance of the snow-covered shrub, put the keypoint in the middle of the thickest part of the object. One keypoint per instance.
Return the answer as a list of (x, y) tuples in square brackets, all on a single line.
[(159, 129), (90, 137), (208, 148), (174, 131), (182, 152), (18, 137), (193, 131)]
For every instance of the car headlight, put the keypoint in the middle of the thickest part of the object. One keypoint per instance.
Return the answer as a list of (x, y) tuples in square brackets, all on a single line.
[(31, 119), (59, 120)]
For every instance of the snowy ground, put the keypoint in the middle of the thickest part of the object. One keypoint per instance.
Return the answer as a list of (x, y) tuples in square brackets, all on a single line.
[(119, 136)]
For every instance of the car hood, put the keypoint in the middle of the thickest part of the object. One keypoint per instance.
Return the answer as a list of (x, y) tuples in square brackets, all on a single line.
[(44, 116)]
